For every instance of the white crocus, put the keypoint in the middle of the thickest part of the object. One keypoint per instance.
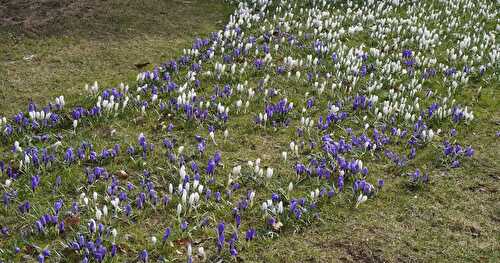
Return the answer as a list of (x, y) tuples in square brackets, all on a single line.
[(361, 199), (269, 172)]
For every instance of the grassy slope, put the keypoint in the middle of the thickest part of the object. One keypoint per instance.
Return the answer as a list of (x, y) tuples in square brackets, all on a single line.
[(455, 219), (94, 40)]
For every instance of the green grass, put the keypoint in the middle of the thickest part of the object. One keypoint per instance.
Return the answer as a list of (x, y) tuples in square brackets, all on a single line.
[(453, 219), (93, 41)]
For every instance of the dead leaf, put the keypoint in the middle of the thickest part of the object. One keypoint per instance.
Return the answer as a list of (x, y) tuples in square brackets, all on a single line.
[(28, 57), (71, 221), (277, 226), (182, 242), (141, 65), (476, 231), (121, 174)]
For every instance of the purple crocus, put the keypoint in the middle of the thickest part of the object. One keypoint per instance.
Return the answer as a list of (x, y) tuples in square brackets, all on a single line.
[(114, 249), (184, 225), (35, 181), (233, 252), (166, 234), (380, 183), (237, 219), (211, 167), (57, 206), (61, 227), (469, 151), (250, 234), (259, 64), (143, 256), (220, 234), (69, 156), (340, 183), (24, 207)]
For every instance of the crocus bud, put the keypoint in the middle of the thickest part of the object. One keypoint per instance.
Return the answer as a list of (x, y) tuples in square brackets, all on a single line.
[(269, 173), (201, 253), (184, 196), (192, 198), (182, 172), (105, 210), (212, 136), (98, 214), (237, 170), (179, 209), (361, 199), (251, 197), (280, 207), (195, 184), (264, 206)]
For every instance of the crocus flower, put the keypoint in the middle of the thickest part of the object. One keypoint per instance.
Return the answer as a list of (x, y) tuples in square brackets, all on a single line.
[(250, 234), (24, 207), (69, 155), (114, 249), (166, 234), (234, 252), (61, 227), (46, 252), (211, 167), (340, 183), (237, 219), (380, 183), (259, 64), (57, 206), (469, 151), (220, 234), (184, 225), (35, 181), (143, 256)]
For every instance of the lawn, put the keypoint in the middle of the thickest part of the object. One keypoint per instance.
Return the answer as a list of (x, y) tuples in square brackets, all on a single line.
[(291, 131), (55, 47)]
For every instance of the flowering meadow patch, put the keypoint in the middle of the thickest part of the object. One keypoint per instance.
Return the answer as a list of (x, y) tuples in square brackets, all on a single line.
[(332, 90)]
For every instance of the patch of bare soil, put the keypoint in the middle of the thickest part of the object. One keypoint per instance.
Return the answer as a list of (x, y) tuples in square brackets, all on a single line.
[(359, 253), (42, 16)]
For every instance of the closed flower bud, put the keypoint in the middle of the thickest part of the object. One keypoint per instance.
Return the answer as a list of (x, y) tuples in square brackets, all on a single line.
[(237, 170), (269, 172), (98, 214), (105, 210), (201, 253), (179, 209)]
